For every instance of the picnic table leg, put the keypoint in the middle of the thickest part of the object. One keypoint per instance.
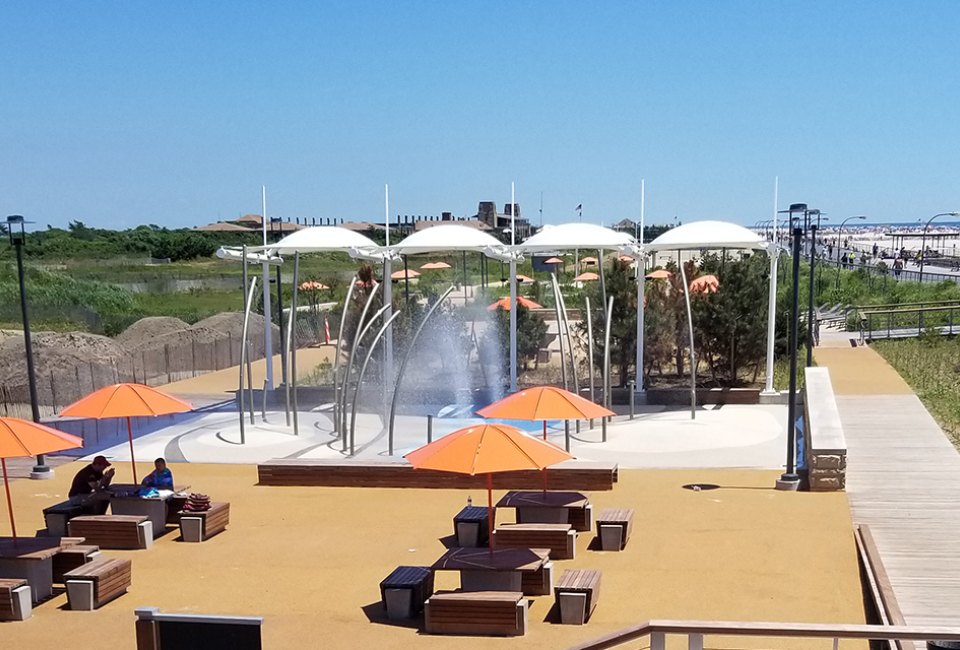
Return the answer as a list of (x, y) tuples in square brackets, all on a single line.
[(6, 488), (133, 462)]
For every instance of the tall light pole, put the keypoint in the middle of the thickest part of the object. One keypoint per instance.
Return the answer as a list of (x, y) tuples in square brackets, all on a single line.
[(813, 260), (16, 230), (923, 240), (839, 232)]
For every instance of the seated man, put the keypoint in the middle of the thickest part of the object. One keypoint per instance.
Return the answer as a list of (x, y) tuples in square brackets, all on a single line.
[(161, 478), (89, 487)]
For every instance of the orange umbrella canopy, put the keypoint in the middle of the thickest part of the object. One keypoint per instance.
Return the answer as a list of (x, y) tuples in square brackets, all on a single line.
[(435, 265), (398, 275), (485, 449), (553, 260), (589, 260), (659, 274), (705, 284), (544, 403), (588, 276), (524, 278), (125, 401), (313, 285), (20, 438), (504, 303)]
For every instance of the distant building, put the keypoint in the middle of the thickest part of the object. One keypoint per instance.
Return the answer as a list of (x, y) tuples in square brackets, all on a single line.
[(626, 225), (500, 221)]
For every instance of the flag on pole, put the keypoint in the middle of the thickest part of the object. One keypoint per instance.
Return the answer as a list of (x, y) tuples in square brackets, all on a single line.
[(579, 207)]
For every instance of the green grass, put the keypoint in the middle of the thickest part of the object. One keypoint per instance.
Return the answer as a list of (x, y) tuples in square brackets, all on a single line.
[(931, 365)]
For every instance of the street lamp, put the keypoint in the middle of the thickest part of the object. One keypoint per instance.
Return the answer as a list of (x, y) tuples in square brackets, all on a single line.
[(813, 259), (923, 240), (839, 232), (16, 230), (789, 480)]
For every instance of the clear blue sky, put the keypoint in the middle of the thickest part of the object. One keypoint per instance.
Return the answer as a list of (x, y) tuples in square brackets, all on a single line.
[(175, 113)]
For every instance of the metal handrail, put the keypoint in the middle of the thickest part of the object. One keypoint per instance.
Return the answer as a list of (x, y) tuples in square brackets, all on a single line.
[(696, 630)]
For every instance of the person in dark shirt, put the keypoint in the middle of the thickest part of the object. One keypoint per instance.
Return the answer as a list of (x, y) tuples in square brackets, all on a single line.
[(90, 483)]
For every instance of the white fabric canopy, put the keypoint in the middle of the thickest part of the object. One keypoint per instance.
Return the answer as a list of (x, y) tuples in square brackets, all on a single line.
[(570, 236), (319, 238), (450, 237), (706, 234)]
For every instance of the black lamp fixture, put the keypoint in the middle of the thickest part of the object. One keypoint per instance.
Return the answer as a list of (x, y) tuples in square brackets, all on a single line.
[(17, 232)]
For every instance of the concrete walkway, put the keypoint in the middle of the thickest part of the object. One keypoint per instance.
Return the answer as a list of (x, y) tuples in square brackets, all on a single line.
[(903, 476)]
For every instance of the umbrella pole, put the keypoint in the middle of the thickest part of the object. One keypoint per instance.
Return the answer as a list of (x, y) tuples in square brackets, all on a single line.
[(489, 511), (544, 472), (6, 487), (133, 464), (544, 429)]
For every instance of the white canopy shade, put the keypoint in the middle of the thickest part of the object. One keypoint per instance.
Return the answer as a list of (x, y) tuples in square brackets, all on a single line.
[(320, 238), (450, 237), (570, 236), (707, 234)]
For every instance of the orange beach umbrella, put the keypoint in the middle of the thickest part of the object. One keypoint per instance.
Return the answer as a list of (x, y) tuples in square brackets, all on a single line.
[(504, 303), (586, 276), (486, 449), (705, 284), (659, 274), (19, 438), (126, 401), (434, 265), (544, 403), (553, 260)]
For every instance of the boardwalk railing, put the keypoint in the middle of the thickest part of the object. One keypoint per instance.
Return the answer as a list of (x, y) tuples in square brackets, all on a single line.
[(906, 323), (695, 631)]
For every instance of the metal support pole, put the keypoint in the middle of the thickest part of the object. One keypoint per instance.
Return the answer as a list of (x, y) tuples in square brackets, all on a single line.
[(362, 327), (573, 355), (773, 250), (245, 363), (590, 350), (336, 358), (429, 428), (284, 348), (559, 308), (633, 386), (603, 282), (810, 323), (790, 475), (403, 367), (693, 354), (292, 343), (363, 370), (603, 428), (607, 399), (641, 334), (513, 324), (566, 435)]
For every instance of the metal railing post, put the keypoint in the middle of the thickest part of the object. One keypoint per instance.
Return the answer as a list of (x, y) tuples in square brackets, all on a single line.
[(694, 641), (566, 435), (633, 386), (429, 428)]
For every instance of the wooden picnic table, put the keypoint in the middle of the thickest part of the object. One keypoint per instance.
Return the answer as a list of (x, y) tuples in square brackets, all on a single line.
[(538, 507), (499, 570), (31, 558), (125, 499)]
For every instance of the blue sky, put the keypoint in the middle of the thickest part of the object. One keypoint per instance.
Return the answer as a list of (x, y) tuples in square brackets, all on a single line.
[(120, 113)]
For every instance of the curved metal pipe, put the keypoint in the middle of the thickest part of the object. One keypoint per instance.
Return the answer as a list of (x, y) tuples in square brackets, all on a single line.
[(245, 359), (693, 353), (607, 400), (556, 302), (336, 356), (363, 370), (403, 367), (590, 346), (573, 354), (346, 375), (291, 348)]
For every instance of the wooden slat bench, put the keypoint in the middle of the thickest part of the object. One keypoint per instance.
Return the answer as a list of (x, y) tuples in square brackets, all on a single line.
[(577, 593), (201, 526), (57, 516), (614, 526), (113, 531), (501, 613), (569, 475), (539, 582), (72, 557), (97, 583), (561, 539), (404, 591), (15, 600)]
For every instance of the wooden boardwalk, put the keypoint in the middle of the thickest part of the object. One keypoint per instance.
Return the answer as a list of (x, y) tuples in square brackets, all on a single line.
[(903, 480)]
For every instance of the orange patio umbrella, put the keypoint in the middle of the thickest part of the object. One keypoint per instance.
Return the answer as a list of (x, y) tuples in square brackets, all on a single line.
[(587, 276), (524, 279), (705, 284), (435, 265), (126, 401), (504, 303), (544, 403), (659, 274), (313, 285), (589, 260), (19, 438), (485, 449), (553, 260), (399, 275)]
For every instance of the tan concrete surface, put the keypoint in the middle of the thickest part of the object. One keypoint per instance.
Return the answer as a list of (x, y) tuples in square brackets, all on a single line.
[(227, 380), (860, 371), (309, 560)]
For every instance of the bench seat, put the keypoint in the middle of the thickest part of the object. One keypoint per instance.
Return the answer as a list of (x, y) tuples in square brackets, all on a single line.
[(114, 531), (496, 613), (614, 526), (15, 600), (72, 557), (201, 526), (404, 591), (97, 583), (561, 539), (577, 593), (56, 517)]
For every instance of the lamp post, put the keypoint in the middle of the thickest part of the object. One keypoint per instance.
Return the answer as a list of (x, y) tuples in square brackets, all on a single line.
[(813, 260), (923, 240), (16, 230), (839, 232)]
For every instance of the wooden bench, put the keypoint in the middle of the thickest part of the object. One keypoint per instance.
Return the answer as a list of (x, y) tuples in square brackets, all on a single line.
[(114, 531), (539, 582), (561, 539), (577, 593), (57, 516), (16, 603), (201, 526), (97, 583), (614, 526), (72, 557), (501, 613), (404, 591)]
